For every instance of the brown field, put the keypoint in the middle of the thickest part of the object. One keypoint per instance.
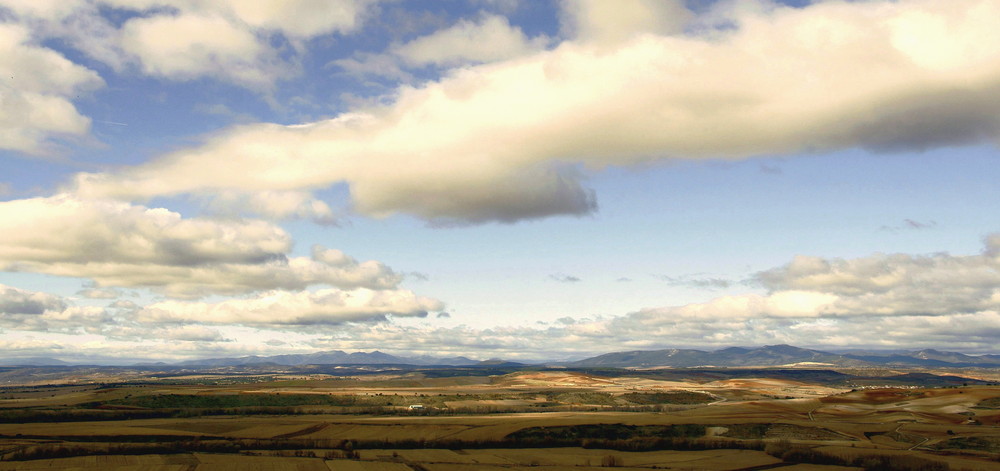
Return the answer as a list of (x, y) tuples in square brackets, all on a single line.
[(467, 422)]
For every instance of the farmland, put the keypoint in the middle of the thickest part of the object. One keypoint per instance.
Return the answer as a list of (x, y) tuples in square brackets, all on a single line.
[(531, 418)]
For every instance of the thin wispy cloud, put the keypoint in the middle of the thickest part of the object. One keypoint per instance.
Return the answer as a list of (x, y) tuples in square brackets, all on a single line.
[(696, 281), (564, 278), (909, 225), (771, 169)]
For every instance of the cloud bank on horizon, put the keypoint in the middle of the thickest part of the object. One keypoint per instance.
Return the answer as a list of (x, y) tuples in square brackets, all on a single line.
[(468, 115)]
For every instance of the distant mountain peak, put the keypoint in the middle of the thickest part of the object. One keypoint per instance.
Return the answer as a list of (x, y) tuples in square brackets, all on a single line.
[(332, 357), (784, 348), (780, 355), (33, 361)]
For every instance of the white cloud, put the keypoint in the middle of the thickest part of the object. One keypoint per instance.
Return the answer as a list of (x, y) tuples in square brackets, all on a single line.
[(781, 304), (272, 205), (23, 310), (231, 40), (606, 22), (877, 286), (123, 304), (51, 10), (36, 91), (363, 65), (65, 229), (489, 39), (15, 301), (140, 332), (303, 18), (890, 301), (503, 141), (295, 18), (30, 347), (191, 333), (880, 301), (120, 245), (188, 46), (100, 293), (78, 23), (276, 308), (29, 310), (188, 39), (896, 284)]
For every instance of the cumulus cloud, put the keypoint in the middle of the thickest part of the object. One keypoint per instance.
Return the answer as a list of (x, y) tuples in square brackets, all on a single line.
[(78, 23), (489, 39), (65, 229), (879, 301), (36, 92), (44, 9), (664, 328), (271, 205), (30, 347), (230, 40), (100, 293), (187, 46), (676, 327), (327, 306), (123, 304), (167, 321), (506, 141), (880, 285), (891, 301), (790, 304), (183, 333), (15, 301), (29, 310), (191, 333), (295, 18), (610, 22), (117, 244)]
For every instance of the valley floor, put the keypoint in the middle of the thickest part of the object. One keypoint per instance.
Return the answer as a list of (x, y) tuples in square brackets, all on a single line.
[(531, 420)]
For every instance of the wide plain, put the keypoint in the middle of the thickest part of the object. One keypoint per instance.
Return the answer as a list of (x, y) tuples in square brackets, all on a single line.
[(525, 419)]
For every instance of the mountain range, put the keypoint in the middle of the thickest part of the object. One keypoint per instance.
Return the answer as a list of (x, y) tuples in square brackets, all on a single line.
[(33, 361), (333, 357), (784, 355), (770, 355)]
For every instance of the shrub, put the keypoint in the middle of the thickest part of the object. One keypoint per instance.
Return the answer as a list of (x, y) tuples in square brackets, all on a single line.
[(611, 461)]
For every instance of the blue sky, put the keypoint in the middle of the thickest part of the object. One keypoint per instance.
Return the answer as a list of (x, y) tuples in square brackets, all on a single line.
[(533, 180)]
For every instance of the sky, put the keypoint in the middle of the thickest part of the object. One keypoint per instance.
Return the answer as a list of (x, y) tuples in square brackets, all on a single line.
[(533, 180)]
